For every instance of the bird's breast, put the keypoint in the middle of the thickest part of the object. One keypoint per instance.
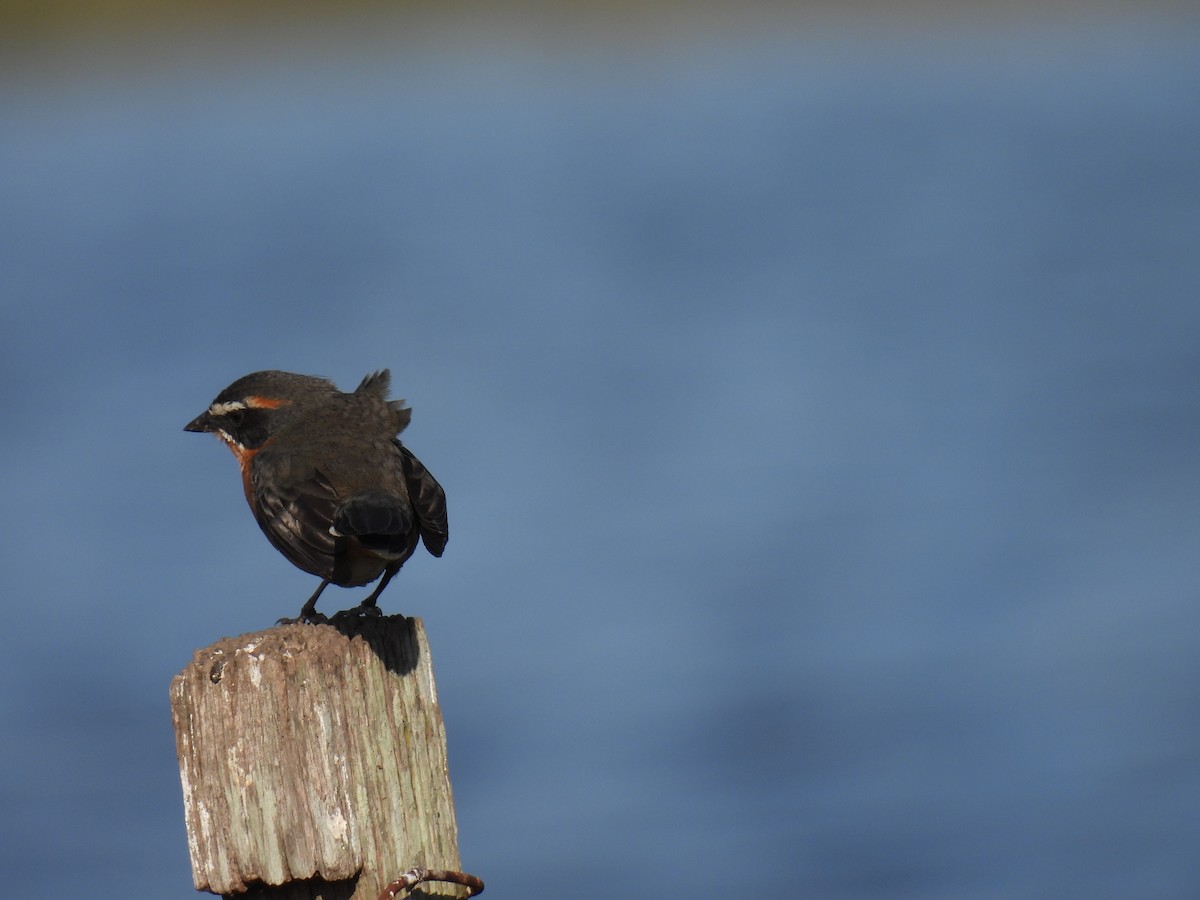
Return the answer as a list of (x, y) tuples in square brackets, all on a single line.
[(245, 460)]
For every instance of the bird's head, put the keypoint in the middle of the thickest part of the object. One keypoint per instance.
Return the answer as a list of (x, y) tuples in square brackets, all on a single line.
[(248, 413)]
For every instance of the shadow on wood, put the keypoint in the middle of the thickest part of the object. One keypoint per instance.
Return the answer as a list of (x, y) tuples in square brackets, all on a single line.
[(397, 648), (313, 762)]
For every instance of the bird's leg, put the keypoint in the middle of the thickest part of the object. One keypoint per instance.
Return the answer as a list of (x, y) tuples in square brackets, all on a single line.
[(368, 607), (308, 612)]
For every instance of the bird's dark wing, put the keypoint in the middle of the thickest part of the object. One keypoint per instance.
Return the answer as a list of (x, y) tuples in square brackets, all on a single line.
[(381, 521), (294, 506), (373, 513), (428, 502)]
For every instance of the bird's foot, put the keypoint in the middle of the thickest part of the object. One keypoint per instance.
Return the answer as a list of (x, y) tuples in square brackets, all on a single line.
[(314, 619), (364, 610), (308, 612)]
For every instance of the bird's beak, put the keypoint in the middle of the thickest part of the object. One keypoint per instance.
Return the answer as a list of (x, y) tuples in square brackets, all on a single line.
[(202, 422)]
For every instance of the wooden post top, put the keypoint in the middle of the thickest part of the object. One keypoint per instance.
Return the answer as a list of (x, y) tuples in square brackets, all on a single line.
[(313, 761)]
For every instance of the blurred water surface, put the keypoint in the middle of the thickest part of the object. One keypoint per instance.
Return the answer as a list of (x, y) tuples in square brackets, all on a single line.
[(817, 409)]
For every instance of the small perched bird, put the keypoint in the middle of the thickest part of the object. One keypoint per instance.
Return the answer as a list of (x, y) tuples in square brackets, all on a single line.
[(327, 479)]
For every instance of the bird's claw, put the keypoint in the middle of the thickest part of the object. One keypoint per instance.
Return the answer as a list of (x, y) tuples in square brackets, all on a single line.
[(362, 611), (313, 618)]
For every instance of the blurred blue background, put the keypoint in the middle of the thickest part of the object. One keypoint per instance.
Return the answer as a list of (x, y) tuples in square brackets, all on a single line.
[(817, 401)]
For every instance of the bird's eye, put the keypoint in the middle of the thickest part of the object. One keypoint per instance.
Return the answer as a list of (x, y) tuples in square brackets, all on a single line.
[(236, 417)]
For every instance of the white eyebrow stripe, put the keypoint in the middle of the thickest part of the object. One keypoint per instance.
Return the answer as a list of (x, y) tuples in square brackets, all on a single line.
[(222, 409)]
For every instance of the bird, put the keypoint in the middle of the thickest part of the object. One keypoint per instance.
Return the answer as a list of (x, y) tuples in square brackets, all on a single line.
[(327, 478)]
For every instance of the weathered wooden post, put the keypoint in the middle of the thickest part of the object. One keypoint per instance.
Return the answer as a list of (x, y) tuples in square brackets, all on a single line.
[(313, 762)]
